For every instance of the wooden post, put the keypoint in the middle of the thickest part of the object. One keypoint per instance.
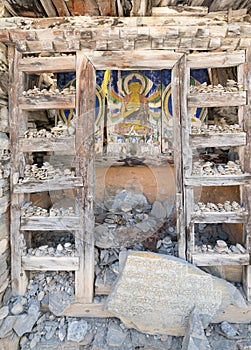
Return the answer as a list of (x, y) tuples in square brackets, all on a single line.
[(85, 118), (18, 275), (246, 193), (180, 226)]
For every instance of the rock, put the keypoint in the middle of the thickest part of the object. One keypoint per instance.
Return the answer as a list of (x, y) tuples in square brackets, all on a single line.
[(158, 210), (58, 301), (156, 294), (77, 330), (25, 322), (4, 311), (6, 326), (104, 238), (115, 335), (228, 330), (17, 308), (244, 345), (195, 338)]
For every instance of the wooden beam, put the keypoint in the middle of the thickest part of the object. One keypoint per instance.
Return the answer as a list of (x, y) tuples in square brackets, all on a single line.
[(218, 140), (86, 310), (47, 144), (178, 10), (133, 59), (49, 8), (61, 7), (46, 223), (85, 118), (49, 263), (214, 259), (48, 185), (217, 99), (216, 59), (41, 102), (48, 64)]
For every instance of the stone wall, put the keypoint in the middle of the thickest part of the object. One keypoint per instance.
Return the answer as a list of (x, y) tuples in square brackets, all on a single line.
[(4, 174)]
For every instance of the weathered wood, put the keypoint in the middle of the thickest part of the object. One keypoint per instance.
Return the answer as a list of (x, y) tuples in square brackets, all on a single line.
[(176, 77), (217, 99), (86, 310), (48, 185), (214, 259), (215, 59), (18, 276), (215, 217), (48, 64), (103, 290), (218, 140), (223, 180), (85, 112), (49, 8), (135, 60), (49, 263), (45, 144), (158, 160), (47, 102), (178, 10), (61, 7), (55, 223)]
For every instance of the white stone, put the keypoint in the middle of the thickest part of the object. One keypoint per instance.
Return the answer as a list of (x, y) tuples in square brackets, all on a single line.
[(156, 293), (77, 330)]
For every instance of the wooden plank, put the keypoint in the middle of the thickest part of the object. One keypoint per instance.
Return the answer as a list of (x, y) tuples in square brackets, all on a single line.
[(19, 278), (217, 99), (49, 263), (216, 217), (45, 223), (85, 107), (48, 64), (45, 144), (177, 72), (215, 59), (223, 180), (178, 10), (61, 7), (132, 59), (214, 259), (47, 102), (49, 8), (218, 140), (48, 185), (86, 310)]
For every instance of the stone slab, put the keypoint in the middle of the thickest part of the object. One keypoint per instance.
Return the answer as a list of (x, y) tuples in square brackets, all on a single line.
[(156, 293)]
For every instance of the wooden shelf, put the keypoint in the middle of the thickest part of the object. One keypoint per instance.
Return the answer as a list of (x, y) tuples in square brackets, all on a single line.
[(158, 160), (213, 99), (222, 180), (41, 102), (215, 259), (46, 223), (50, 263), (48, 64), (47, 144), (218, 140), (216, 217), (48, 185)]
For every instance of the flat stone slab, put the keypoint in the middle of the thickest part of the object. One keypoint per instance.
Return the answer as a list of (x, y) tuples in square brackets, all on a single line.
[(156, 294)]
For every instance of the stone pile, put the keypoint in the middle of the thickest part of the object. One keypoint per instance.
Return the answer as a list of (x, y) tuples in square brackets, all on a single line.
[(215, 129), (61, 130), (231, 86), (67, 249), (227, 206), (202, 168), (51, 92), (211, 238), (28, 210), (46, 172)]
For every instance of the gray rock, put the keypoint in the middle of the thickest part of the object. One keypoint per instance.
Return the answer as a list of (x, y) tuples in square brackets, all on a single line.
[(59, 301), (195, 338), (25, 322), (77, 330), (228, 330), (115, 335), (4, 311), (104, 238), (7, 325), (158, 210), (161, 302), (17, 308)]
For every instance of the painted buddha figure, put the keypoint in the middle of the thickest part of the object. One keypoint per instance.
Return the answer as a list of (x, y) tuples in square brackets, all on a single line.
[(134, 106)]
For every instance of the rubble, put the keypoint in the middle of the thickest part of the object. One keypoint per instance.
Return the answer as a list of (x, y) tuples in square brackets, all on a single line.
[(231, 86), (215, 129), (45, 172), (201, 168), (60, 130), (29, 210), (51, 92), (210, 207)]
